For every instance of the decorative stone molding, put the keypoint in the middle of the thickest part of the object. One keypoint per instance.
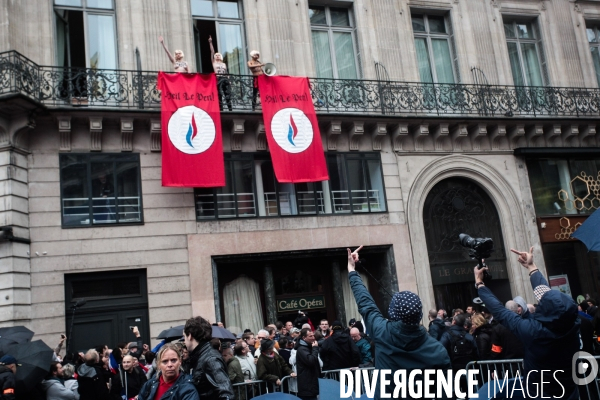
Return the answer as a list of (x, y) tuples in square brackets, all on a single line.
[(553, 135), (356, 132), (377, 134), (440, 136), (95, 133), (420, 136), (126, 134), (334, 130), (533, 134), (477, 133), (399, 136), (155, 135), (570, 136), (261, 137), (460, 136), (64, 130), (515, 134), (587, 135), (497, 136), (237, 133)]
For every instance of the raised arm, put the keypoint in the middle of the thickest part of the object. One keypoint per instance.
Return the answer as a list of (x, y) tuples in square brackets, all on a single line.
[(162, 41), (212, 49)]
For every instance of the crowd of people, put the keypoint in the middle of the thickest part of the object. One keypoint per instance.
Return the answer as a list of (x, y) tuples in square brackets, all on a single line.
[(198, 366)]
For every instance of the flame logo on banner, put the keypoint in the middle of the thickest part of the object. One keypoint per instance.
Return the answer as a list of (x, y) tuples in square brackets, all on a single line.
[(293, 131), (192, 132)]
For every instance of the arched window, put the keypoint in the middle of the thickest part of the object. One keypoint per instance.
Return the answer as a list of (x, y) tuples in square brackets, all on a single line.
[(455, 206)]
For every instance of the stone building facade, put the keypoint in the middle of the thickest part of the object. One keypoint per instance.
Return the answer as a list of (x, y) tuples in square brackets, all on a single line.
[(451, 104)]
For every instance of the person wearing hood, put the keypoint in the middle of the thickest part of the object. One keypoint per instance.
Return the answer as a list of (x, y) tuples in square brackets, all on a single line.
[(90, 375), (437, 327), (400, 341), (129, 379), (550, 336), (339, 351), (271, 367), (54, 386), (8, 369)]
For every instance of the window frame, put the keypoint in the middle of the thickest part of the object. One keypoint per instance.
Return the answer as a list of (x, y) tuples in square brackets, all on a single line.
[(86, 11), (218, 20), (331, 29), (115, 157), (364, 157), (536, 31), (428, 36), (595, 27)]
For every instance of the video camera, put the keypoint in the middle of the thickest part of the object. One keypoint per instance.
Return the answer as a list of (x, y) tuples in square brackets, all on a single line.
[(479, 248)]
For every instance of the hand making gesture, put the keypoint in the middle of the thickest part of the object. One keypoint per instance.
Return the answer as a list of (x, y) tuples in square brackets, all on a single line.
[(526, 259), (353, 259)]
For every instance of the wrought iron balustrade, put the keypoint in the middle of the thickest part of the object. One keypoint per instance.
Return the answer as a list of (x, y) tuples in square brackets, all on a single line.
[(60, 87)]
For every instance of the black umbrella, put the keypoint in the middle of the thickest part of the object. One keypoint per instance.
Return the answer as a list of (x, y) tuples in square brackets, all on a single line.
[(174, 332), (35, 359), (222, 333), (13, 335)]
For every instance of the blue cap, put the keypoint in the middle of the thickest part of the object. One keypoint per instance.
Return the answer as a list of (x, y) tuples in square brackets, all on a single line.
[(8, 359)]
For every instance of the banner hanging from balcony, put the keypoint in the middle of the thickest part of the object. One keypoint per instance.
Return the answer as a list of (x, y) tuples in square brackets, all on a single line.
[(192, 145), (292, 129)]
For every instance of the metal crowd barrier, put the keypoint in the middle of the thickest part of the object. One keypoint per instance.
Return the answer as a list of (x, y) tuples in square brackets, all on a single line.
[(487, 369)]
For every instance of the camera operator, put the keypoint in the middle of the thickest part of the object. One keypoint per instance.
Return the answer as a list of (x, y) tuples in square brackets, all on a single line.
[(400, 342), (550, 336)]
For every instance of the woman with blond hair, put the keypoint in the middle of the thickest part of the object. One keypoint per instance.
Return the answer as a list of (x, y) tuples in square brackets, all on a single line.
[(482, 332), (171, 383)]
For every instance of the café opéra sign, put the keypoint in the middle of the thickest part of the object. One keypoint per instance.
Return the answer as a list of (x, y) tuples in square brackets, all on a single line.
[(301, 303)]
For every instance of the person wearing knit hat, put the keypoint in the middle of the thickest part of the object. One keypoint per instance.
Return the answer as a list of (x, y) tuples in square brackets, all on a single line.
[(400, 341), (8, 369), (271, 367)]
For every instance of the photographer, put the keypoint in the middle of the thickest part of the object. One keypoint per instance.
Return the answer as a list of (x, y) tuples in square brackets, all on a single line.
[(550, 336)]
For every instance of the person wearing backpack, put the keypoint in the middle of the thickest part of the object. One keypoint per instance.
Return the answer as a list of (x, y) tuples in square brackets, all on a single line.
[(461, 346)]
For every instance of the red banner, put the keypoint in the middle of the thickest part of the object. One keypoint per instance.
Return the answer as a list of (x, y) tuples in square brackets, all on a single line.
[(292, 129), (192, 145)]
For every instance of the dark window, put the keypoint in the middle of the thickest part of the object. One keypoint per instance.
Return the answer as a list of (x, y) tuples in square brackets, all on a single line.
[(252, 190), (100, 189), (561, 186), (108, 287)]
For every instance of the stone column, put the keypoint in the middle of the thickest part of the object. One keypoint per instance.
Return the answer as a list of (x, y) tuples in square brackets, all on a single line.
[(270, 302), (389, 279), (338, 296), (218, 315), (15, 267)]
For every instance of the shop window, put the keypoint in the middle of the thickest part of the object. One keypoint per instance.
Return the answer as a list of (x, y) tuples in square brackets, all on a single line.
[(100, 189), (221, 20), (526, 53), (251, 189), (333, 38), (562, 187), (436, 51)]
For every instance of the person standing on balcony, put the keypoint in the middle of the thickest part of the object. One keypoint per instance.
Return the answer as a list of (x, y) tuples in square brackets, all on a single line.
[(256, 68), (177, 61), (220, 68)]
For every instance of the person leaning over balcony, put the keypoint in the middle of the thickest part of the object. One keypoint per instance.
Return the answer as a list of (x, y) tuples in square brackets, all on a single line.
[(550, 336), (178, 64), (223, 84), (400, 341)]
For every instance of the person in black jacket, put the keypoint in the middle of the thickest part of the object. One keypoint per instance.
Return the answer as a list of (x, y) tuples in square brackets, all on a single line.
[(8, 369), (129, 380), (91, 378), (482, 333), (437, 327), (339, 350), (207, 366), (307, 365)]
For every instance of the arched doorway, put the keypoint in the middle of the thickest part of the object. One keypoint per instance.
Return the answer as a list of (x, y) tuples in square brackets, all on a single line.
[(454, 206)]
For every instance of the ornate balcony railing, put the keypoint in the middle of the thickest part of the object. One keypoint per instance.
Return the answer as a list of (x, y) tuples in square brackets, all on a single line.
[(60, 87)]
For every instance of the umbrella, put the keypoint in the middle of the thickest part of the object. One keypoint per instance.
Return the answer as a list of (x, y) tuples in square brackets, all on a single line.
[(222, 333), (35, 359), (589, 232), (13, 335), (330, 389), (174, 332), (279, 396)]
